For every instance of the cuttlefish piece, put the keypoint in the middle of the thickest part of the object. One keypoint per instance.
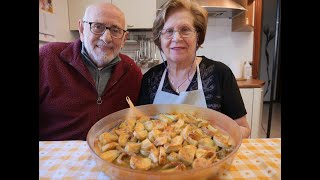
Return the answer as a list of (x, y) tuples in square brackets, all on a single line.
[(138, 162), (221, 140)]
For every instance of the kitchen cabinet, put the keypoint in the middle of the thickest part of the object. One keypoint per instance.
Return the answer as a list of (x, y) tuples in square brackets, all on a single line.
[(139, 14), (253, 101), (76, 10), (244, 22)]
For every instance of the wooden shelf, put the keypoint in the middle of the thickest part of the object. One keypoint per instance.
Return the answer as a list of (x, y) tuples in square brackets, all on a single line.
[(245, 21)]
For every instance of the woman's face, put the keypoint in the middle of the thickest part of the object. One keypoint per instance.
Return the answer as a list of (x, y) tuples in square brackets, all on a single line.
[(178, 48)]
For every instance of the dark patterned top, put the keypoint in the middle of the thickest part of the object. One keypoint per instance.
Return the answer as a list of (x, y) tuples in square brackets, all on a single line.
[(219, 85)]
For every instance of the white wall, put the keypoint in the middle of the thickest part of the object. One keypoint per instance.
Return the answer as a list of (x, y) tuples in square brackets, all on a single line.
[(223, 45), (60, 23)]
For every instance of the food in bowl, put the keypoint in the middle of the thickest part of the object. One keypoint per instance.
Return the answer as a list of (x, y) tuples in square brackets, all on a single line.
[(165, 142)]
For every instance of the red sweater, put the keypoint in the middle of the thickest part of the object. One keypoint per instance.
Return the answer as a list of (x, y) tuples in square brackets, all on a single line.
[(68, 97)]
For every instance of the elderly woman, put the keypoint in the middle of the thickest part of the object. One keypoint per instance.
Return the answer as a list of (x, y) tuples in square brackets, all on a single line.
[(184, 78)]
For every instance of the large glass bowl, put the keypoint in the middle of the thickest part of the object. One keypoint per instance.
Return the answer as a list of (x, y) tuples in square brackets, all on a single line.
[(215, 118)]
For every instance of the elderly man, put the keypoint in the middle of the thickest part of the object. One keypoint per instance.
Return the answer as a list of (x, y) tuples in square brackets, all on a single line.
[(85, 80)]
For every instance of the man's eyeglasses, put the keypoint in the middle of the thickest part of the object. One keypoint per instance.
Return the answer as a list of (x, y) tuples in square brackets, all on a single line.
[(99, 28), (184, 32)]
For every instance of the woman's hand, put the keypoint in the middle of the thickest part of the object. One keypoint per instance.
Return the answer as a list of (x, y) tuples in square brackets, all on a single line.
[(244, 126)]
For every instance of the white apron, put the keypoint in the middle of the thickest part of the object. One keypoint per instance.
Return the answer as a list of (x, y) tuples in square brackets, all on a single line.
[(195, 97)]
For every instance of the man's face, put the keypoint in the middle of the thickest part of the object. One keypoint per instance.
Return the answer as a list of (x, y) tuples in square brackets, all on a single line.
[(102, 48)]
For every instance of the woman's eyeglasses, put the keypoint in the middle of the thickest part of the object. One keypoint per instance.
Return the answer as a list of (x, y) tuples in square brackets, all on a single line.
[(184, 32)]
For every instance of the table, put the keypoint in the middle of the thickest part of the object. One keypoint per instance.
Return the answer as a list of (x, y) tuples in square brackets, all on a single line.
[(256, 159)]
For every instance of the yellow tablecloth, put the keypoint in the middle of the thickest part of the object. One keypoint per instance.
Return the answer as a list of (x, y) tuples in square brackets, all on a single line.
[(256, 159)]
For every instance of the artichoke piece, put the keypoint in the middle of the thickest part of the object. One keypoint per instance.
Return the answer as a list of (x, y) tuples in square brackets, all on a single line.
[(154, 154), (148, 125), (138, 162), (123, 139), (110, 155), (167, 118), (173, 157), (162, 156)]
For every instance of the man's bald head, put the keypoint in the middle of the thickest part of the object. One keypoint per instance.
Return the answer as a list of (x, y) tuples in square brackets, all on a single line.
[(100, 9)]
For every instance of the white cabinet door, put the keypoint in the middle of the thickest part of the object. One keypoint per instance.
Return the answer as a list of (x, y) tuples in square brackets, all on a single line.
[(252, 98), (247, 96), (139, 14), (77, 9)]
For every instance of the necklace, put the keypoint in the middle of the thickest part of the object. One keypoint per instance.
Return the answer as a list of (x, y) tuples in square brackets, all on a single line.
[(177, 88)]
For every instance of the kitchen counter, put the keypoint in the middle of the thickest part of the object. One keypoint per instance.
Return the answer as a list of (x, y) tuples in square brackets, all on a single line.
[(251, 83)]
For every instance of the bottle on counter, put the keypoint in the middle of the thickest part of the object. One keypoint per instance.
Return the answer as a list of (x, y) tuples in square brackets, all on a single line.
[(247, 70)]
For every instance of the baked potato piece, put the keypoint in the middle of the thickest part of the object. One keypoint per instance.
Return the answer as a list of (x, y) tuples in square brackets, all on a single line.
[(138, 162), (141, 135), (186, 154), (107, 137), (172, 157), (139, 126), (154, 154), (201, 163), (162, 156), (123, 139), (110, 155), (161, 140), (132, 147), (109, 146), (148, 125), (173, 166)]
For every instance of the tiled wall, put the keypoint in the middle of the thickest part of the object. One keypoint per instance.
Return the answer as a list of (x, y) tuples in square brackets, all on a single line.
[(224, 45), (220, 44)]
